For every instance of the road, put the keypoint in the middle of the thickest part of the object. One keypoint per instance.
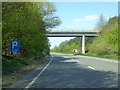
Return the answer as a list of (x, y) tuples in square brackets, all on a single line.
[(69, 71)]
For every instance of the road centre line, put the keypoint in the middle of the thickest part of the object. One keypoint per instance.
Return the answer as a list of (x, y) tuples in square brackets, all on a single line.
[(30, 84), (91, 67)]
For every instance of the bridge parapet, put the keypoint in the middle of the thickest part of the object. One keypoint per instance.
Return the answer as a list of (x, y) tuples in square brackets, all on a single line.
[(73, 32)]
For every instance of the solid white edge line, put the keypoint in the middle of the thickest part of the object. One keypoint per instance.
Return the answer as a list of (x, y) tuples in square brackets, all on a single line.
[(29, 85)]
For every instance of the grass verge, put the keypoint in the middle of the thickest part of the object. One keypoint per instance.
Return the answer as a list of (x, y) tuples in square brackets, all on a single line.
[(101, 56), (94, 55), (12, 72)]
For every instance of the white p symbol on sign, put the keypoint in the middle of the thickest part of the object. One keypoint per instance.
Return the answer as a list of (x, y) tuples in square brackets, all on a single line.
[(14, 44)]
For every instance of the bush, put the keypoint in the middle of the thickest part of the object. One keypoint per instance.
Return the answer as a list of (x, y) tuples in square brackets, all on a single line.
[(10, 66)]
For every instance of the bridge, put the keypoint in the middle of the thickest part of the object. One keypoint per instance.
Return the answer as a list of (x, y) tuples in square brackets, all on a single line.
[(73, 33)]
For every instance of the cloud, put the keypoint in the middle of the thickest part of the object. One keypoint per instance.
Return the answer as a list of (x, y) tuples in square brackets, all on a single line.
[(87, 18)]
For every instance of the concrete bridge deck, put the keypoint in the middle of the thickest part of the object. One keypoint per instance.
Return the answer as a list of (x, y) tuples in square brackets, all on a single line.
[(74, 33)]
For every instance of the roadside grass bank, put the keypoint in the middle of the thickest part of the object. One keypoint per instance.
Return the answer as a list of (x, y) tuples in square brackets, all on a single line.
[(93, 55), (101, 56), (12, 70)]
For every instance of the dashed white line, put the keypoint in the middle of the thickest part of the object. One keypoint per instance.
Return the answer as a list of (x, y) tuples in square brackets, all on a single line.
[(91, 67), (29, 85)]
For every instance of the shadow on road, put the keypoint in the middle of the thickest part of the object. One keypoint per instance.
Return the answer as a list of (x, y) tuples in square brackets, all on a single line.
[(71, 75), (62, 74)]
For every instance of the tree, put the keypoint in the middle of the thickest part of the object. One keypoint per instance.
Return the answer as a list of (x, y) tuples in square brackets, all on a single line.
[(27, 22), (47, 10), (101, 22), (107, 43), (22, 21)]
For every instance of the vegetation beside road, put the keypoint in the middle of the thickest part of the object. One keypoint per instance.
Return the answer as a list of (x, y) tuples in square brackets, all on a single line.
[(27, 22), (101, 56), (107, 42), (13, 70), (106, 45)]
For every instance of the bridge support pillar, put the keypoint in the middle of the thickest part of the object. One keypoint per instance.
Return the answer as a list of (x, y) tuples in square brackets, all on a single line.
[(83, 44)]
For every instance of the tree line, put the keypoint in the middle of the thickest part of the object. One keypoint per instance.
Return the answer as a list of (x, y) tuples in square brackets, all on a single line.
[(27, 22), (105, 44)]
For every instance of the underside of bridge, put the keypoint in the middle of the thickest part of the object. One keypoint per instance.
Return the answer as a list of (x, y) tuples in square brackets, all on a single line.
[(74, 34)]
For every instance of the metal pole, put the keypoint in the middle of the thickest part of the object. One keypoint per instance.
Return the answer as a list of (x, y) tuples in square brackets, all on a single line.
[(14, 53)]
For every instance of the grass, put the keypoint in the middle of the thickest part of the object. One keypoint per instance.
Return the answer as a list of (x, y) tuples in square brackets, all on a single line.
[(101, 56), (94, 55), (12, 71)]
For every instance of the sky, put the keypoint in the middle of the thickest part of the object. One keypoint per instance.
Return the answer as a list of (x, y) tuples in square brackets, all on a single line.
[(81, 16)]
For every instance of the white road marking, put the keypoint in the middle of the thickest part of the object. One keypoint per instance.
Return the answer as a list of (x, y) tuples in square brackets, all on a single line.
[(91, 67), (29, 85)]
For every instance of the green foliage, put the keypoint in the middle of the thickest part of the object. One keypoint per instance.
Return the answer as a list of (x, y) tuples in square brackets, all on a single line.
[(107, 43), (104, 45), (47, 10), (10, 66), (75, 43), (23, 21)]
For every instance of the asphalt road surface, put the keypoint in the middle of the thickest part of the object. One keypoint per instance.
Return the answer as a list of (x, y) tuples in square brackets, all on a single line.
[(69, 71)]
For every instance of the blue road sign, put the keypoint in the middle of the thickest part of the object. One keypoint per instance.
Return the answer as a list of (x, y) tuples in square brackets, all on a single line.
[(14, 45)]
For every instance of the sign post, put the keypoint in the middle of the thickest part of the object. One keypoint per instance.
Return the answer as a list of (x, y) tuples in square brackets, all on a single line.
[(14, 47)]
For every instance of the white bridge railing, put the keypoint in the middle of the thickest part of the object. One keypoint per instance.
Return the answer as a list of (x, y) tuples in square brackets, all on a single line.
[(72, 31)]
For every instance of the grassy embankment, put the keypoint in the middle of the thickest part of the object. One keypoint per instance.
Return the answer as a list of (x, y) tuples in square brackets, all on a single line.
[(12, 70), (93, 55), (104, 46), (101, 56)]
